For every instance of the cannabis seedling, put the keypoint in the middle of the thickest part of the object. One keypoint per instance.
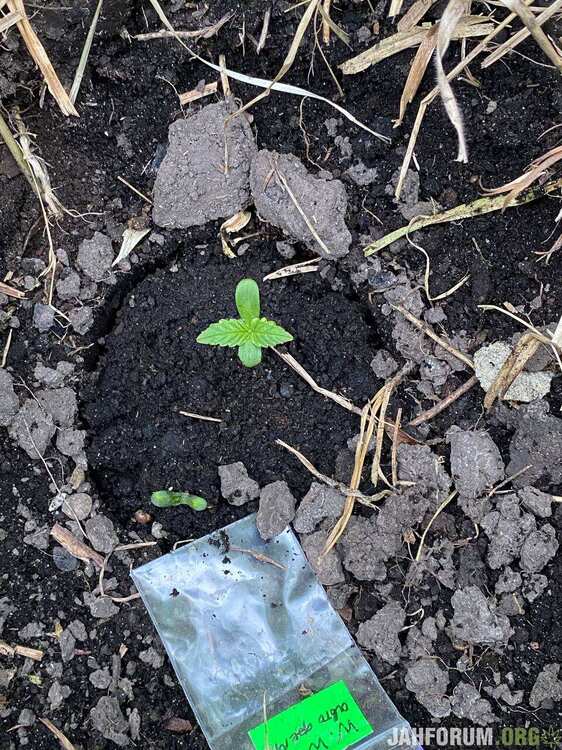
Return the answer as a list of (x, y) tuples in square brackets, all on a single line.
[(169, 499), (250, 333)]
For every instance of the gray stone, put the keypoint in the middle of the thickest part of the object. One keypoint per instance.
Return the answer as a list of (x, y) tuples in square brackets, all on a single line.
[(276, 510), (32, 428), (361, 551), (67, 643), (537, 441), (286, 250), (320, 502), (503, 693), (538, 549), (533, 586), (100, 678), (476, 620), (435, 371), (71, 442), (108, 720), (26, 718), (507, 529), (323, 202), (508, 582), (339, 594), (380, 633), (57, 695), (362, 175), (81, 319), (9, 403), (192, 186), (152, 657), (31, 630), (38, 538), (68, 286), (64, 560), (43, 317), (429, 682), (327, 567), (409, 341), (236, 486), (418, 464), (475, 507), (418, 645), (383, 364), (536, 501), (527, 386), (78, 630), (95, 257), (476, 463), (101, 533), (50, 377), (77, 506), (547, 688), (102, 607), (467, 703), (134, 724), (60, 403)]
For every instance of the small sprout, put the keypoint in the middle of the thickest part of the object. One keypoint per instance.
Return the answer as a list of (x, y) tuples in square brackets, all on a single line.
[(168, 499), (250, 333)]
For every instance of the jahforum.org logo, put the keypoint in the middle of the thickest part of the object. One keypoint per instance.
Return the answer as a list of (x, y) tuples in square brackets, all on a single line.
[(504, 738)]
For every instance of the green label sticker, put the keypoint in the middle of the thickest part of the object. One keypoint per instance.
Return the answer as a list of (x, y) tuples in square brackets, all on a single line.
[(328, 720)]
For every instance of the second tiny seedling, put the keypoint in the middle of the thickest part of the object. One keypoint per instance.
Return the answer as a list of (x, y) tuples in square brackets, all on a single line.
[(249, 333)]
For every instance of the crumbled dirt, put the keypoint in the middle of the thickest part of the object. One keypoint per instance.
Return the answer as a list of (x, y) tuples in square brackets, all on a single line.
[(96, 386)]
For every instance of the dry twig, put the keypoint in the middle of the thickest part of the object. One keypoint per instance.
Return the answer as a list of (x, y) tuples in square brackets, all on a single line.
[(425, 416), (74, 546), (65, 743), (534, 27)]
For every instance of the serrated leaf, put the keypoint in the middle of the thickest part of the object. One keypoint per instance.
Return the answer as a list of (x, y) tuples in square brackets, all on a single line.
[(229, 332), (248, 299), (250, 354), (265, 332)]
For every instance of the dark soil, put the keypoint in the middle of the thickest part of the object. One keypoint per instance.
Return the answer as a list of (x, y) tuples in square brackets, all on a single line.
[(139, 366)]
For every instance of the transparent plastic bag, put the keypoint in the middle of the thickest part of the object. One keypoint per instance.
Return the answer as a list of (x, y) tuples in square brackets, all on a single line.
[(263, 659)]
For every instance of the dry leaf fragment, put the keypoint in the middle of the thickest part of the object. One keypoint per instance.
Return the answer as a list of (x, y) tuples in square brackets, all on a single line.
[(235, 224), (75, 546), (180, 726), (131, 238)]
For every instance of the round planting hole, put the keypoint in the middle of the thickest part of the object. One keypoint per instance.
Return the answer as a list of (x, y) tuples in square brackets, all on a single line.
[(152, 369)]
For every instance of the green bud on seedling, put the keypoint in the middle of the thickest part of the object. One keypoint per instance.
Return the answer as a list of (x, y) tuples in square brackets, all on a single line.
[(168, 499), (250, 333)]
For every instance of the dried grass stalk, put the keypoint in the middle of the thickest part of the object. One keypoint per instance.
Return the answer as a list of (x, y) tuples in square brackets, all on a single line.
[(65, 743), (463, 211), (521, 35), (306, 266), (525, 348), (449, 20), (205, 33), (415, 14), (470, 26), (417, 72), (368, 421), (435, 92), (299, 369), (537, 168), (9, 291), (425, 416), (10, 19), (37, 51), (534, 27), (85, 54), (198, 93)]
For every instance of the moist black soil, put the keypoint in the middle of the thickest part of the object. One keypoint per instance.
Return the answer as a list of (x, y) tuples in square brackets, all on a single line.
[(139, 366)]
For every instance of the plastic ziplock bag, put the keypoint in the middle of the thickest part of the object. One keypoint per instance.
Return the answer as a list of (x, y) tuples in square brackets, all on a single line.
[(262, 657)]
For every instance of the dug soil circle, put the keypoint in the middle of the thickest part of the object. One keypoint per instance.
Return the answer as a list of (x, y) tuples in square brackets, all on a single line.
[(152, 369)]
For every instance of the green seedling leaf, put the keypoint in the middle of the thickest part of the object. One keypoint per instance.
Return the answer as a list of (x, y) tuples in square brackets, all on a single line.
[(267, 333), (247, 299), (250, 354), (225, 333), (168, 499), (250, 333)]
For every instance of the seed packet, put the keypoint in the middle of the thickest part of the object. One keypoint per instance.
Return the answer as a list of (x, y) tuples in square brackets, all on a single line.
[(264, 660)]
